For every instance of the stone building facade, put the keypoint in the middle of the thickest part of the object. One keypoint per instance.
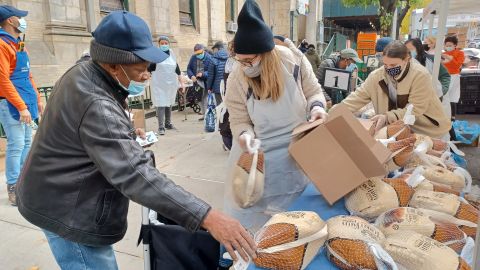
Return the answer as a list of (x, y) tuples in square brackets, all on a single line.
[(59, 30)]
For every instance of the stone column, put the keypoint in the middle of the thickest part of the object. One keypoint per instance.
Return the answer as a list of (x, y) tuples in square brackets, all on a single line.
[(311, 25)]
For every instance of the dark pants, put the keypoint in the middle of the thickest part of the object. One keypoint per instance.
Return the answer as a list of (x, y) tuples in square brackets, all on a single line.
[(453, 106), (164, 115)]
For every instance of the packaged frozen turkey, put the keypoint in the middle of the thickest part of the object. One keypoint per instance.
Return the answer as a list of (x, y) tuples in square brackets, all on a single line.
[(249, 179), (353, 243), (290, 240), (397, 130), (417, 181), (414, 251), (376, 196), (450, 204), (402, 152), (411, 219)]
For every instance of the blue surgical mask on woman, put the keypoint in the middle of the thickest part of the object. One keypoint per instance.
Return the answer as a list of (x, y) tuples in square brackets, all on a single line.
[(165, 48), (134, 88), (413, 53), (200, 56)]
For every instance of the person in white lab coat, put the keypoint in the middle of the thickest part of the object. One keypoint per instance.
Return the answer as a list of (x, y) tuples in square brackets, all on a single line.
[(166, 79)]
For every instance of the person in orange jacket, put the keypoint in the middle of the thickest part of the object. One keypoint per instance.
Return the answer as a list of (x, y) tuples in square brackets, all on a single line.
[(20, 102), (453, 59)]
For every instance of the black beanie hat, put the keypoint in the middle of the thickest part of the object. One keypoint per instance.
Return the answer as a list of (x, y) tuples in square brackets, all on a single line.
[(253, 35)]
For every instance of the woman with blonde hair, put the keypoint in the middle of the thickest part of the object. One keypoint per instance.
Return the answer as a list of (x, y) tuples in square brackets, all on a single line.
[(271, 90), (430, 42)]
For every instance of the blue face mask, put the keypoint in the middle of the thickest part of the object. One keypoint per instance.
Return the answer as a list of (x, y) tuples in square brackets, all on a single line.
[(413, 53), (22, 25), (134, 88), (164, 48), (351, 67), (200, 56)]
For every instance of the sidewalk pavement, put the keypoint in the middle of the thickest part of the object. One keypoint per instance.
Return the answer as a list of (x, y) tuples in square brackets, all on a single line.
[(193, 159)]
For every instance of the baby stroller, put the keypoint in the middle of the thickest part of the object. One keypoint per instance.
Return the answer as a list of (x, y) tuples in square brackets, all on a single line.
[(192, 97), (168, 246)]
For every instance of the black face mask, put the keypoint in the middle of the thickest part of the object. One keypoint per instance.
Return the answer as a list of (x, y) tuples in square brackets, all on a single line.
[(426, 47)]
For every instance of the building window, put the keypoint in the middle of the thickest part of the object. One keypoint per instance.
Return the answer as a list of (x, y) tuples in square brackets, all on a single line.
[(230, 10), (187, 12), (107, 6)]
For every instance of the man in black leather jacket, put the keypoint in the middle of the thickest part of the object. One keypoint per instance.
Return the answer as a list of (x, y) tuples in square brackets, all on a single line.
[(85, 165)]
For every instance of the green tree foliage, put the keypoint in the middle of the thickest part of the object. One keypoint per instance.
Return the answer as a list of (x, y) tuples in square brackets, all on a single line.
[(386, 9)]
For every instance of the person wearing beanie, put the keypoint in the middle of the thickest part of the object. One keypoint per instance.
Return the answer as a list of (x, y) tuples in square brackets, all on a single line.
[(197, 71), (381, 44), (20, 102), (272, 90), (85, 163), (166, 79), (347, 60)]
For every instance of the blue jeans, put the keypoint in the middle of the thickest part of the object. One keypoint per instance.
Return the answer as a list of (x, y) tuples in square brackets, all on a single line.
[(74, 256), (19, 140)]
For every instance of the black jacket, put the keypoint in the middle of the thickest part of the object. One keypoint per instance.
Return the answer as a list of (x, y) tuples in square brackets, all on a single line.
[(84, 166)]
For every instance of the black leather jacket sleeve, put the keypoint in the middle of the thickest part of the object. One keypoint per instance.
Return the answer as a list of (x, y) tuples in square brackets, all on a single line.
[(106, 134)]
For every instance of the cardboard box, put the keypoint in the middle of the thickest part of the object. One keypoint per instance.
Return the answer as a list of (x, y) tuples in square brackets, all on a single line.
[(369, 125), (338, 155)]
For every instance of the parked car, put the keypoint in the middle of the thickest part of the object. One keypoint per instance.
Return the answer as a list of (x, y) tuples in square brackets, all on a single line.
[(472, 61), (474, 43)]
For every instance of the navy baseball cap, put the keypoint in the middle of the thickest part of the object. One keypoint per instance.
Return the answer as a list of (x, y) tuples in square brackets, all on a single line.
[(127, 32), (7, 11)]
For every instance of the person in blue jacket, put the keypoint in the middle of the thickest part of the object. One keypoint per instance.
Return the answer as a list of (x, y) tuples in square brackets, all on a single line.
[(197, 71), (216, 69)]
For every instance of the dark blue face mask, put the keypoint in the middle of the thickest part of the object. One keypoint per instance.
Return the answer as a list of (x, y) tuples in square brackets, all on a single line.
[(395, 71)]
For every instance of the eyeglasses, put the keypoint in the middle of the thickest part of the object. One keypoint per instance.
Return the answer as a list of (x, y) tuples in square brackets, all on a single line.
[(246, 62)]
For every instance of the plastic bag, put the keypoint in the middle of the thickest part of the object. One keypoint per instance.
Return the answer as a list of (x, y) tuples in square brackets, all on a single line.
[(248, 177), (376, 196), (449, 204), (353, 243), (411, 219), (290, 240), (465, 132), (418, 252), (210, 115)]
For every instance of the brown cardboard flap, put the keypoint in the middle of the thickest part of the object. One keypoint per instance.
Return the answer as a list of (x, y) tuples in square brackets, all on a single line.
[(358, 149), (327, 164), (306, 127), (339, 155), (369, 125)]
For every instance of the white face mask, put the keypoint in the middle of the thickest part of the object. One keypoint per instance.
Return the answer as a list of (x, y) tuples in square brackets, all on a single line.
[(22, 25), (253, 71)]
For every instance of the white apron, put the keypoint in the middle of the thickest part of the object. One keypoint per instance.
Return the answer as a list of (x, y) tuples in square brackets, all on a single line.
[(439, 91), (284, 181), (165, 83), (454, 89)]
